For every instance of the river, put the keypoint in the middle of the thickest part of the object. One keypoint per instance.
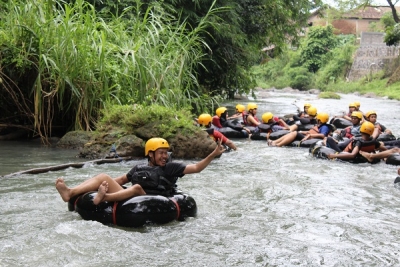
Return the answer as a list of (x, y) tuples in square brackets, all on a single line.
[(258, 206)]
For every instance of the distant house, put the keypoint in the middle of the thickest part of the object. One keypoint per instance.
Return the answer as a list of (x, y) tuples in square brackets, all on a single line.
[(353, 22)]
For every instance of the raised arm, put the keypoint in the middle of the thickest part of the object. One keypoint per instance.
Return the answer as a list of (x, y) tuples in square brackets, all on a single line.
[(201, 165)]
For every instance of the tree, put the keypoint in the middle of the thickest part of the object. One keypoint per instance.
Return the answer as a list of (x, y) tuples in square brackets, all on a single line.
[(392, 36), (320, 40), (236, 34)]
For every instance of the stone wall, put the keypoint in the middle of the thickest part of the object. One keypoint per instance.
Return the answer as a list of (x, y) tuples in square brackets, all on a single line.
[(372, 55)]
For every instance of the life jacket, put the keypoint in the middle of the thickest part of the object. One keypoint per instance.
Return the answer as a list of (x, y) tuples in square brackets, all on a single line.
[(210, 131), (245, 114), (305, 121), (265, 127), (314, 130), (153, 180), (351, 131), (366, 146), (216, 121)]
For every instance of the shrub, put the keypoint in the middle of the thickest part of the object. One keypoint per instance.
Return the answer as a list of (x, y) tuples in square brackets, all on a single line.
[(299, 78), (126, 118)]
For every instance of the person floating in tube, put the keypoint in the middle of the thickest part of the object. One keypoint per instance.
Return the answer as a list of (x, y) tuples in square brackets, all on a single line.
[(158, 176), (205, 120)]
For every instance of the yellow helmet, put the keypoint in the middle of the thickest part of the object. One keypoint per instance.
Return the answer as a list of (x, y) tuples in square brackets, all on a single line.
[(204, 119), (323, 117), (312, 111), (358, 104), (155, 143), (369, 113), (220, 110), (307, 105), (251, 106), (240, 108), (367, 128), (352, 105), (266, 117), (357, 114)]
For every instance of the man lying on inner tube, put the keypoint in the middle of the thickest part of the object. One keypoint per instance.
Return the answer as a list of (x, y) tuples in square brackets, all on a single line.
[(371, 116), (319, 131), (205, 120), (359, 145), (157, 177), (349, 132), (220, 120)]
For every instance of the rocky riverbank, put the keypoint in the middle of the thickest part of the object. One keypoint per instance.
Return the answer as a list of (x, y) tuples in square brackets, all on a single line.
[(94, 146)]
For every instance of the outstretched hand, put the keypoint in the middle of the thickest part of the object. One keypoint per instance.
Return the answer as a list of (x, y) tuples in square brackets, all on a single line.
[(219, 149)]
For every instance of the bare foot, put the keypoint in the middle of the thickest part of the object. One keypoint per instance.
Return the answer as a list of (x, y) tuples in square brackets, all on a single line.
[(271, 143), (62, 188), (101, 193), (366, 155)]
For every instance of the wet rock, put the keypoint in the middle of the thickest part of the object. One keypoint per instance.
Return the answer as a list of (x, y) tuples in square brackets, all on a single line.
[(97, 146), (314, 91), (198, 145), (370, 95), (74, 139)]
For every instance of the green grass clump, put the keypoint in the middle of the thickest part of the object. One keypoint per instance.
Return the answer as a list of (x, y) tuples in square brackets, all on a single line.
[(126, 118)]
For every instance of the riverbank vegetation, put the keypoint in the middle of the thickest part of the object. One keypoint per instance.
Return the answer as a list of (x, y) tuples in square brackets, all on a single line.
[(125, 119), (323, 60), (63, 62)]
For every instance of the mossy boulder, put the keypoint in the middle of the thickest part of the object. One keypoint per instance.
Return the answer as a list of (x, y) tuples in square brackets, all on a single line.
[(124, 130), (95, 146), (74, 139)]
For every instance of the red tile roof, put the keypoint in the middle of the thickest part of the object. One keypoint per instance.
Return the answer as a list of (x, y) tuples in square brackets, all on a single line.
[(369, 12)]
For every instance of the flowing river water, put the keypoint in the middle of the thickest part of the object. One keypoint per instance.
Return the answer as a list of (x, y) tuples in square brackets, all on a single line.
[(258, 206)]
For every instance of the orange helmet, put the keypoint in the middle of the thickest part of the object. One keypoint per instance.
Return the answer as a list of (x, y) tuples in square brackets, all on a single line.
[(367, 128), (369, 113), (204, 119), (266, 117), (240, 108), (155, 143), (357, 114), (251, 106), (352, 105), (220, 110), (312, 111), (323, 117)]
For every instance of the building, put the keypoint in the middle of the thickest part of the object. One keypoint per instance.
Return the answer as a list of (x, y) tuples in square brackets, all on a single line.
[(364, 19)]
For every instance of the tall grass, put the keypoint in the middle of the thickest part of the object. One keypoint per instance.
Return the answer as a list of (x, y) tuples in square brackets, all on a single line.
[(78, 63)]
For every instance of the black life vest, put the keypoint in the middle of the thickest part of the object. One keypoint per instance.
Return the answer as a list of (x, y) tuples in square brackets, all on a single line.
[(265, 127), (153, 180), (367, 146)]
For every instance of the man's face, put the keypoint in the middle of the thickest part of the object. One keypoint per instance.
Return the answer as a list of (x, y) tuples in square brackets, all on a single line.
[(160, 156)]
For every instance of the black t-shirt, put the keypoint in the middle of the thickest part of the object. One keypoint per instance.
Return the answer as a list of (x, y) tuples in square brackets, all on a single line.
[(171, 170)]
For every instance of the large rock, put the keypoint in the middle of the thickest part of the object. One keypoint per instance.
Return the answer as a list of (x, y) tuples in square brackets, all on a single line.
[(94, 145), (198, 145), (74, 139)]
